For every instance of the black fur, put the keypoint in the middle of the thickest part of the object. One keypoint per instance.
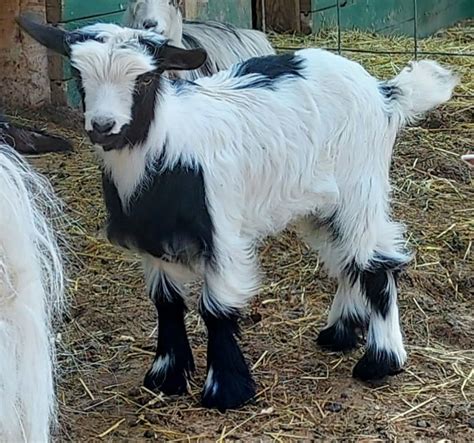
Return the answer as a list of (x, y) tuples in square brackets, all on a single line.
[(375, 284), (376, 364), (389, 91), (143, 111), (231, 375), (172, 342), (327, 222), (270, 68), (343, 335), (374, 280), (79, 86), (167, 218)]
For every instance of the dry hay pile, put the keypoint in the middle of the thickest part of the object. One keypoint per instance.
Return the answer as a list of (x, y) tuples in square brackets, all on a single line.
[(108, 342)]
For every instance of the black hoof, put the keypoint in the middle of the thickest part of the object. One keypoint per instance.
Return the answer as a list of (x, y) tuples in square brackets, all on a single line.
[(171, 379), (338, 338), (227, 390), (376, 366)]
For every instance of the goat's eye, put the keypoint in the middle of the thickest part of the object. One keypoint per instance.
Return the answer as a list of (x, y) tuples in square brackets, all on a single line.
[(146, 80)]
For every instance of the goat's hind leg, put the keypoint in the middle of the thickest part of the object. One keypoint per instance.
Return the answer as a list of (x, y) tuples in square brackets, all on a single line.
[(347, 318), (173, 363), (385, 353), (366, 258), (349, 312)]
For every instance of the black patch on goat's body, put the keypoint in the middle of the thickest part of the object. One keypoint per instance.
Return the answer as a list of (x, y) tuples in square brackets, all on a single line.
[(167, 218), (389, 91), (374, 280), (232, 384), (173, 344), (143, 112), (269, 70)]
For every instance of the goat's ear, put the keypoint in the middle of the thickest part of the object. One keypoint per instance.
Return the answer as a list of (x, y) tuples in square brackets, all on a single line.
[(172, 58), (49, 36)]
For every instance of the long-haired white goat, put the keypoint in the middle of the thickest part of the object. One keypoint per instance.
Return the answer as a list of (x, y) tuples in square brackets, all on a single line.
[(31, 297), (196, 173), (225, 44)]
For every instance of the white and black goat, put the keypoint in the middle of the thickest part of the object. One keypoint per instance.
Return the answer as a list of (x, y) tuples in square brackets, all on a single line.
[(31, 295), (195, 174), (225, 44), (29, 140)]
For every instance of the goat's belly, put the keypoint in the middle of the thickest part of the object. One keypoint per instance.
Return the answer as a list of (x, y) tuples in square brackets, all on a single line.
[(286, 202), (175, 247)]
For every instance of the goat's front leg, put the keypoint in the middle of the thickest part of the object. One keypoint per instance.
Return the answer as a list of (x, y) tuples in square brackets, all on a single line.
[(229, 383), (173, 363)]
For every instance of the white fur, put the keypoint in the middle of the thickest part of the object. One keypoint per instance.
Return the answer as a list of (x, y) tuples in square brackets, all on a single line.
[(211, 385), (349, 302), (162, 364), (177, 275), (304, 150), (424, 85), (224, 44), (31, 296), (166, 13)]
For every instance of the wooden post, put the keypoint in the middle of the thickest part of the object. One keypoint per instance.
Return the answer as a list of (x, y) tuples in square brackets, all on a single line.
[(306, 18), (24, 77), (192, 8), (283, 15)]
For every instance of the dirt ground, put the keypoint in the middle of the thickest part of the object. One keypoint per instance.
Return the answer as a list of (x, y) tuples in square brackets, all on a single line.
[(107, 341)]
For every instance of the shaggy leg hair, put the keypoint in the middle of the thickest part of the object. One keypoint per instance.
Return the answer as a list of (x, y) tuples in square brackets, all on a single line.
[(366, 259)]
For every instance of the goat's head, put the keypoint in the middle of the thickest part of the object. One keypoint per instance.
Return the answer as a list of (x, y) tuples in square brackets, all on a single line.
[(119, 70), (161, 16)]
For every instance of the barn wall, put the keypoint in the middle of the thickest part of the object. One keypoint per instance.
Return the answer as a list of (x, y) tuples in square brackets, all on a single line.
[(391, 16), (237, 12), (24, 77)]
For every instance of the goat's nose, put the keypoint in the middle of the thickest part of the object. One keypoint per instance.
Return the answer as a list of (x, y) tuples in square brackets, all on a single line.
[(103, 126), (149, 24)]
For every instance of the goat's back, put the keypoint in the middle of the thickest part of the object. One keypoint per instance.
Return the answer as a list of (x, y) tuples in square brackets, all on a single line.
[(225, 45)]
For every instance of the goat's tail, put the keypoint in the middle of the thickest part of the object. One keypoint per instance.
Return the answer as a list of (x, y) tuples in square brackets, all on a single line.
[(418, 88)]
